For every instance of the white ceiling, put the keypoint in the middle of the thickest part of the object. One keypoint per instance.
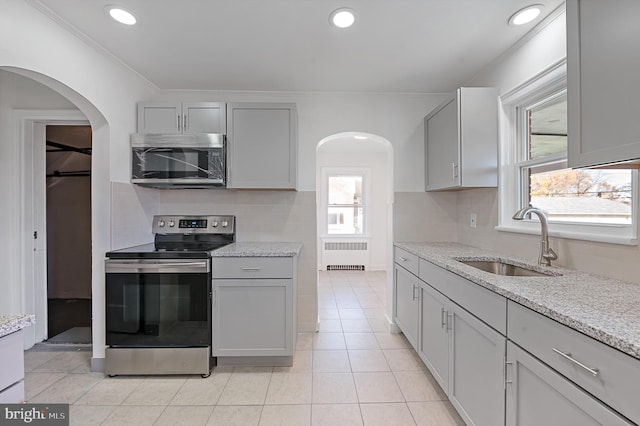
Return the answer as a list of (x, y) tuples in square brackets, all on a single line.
[(425, 46)]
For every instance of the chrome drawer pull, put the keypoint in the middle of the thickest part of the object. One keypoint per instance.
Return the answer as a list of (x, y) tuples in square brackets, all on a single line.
[(443, 321), (250, 269), (593, 371), (404, 259)]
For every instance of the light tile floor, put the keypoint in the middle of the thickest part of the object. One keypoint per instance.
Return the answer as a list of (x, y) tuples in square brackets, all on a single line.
[(353, 372)]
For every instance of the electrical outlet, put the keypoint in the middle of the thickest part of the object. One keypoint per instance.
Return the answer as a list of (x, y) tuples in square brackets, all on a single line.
[(473, 221)]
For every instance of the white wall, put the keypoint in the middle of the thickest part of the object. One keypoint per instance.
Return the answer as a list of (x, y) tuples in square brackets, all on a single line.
[(616, 261), (16, 92), (376, 162), (103, 89)]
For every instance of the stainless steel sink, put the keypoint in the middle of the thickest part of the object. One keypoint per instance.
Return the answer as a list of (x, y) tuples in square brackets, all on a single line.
[(500, 268)]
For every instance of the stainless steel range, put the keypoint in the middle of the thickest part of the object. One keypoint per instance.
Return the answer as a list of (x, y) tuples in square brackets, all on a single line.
[(158, 298)]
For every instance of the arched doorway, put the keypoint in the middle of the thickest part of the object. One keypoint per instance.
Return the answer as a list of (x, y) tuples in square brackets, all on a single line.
[(27, 293), (354, 190)]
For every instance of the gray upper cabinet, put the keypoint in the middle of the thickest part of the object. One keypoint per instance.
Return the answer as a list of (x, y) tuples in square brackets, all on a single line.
[(262, 145), (181, 117), (461, 141), (603, 65)]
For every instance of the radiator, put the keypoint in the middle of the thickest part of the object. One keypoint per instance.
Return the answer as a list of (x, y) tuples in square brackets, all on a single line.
[(350, 255)]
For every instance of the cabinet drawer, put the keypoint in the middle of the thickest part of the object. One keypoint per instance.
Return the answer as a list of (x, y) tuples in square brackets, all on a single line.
[(252, 267), (484, 304), (615, 375), (407, 260)]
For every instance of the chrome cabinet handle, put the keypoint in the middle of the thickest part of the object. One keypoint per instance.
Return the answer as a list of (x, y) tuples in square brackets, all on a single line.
[(179, 117), (404, 259), (506, 377), (415, 287), (184, 122), (443, 320), (250, 269), (454, 168), (567, 356)]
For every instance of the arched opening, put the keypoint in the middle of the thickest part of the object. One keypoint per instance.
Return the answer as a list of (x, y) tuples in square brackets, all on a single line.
[(26, 119), (354, 190)]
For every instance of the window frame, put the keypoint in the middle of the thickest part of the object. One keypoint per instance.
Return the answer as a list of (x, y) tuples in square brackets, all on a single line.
[(365, 173), (511, 186)]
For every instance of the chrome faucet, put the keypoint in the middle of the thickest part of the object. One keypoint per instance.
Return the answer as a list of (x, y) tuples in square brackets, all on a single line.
[(546, 253)]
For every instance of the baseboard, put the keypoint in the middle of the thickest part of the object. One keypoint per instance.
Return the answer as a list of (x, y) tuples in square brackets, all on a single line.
[(392, 326), (97, 365)]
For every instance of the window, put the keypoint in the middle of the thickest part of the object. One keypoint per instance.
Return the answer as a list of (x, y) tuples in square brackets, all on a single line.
[(593, 204), (345, 207)]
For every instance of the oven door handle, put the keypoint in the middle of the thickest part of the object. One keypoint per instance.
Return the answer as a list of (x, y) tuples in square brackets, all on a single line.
[(156, 267)]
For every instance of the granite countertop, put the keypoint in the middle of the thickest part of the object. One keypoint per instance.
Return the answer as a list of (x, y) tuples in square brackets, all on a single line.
[(258, 249), (603, 308), (12, 323)]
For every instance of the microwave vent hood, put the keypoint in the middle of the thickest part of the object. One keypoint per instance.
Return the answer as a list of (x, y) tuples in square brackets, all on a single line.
[(178, 161), (170, 140)]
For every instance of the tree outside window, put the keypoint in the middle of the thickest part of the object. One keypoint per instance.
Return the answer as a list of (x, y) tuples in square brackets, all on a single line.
[(566, 195)]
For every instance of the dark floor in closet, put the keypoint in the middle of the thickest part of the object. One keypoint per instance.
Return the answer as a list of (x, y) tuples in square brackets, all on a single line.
[(65, 314)]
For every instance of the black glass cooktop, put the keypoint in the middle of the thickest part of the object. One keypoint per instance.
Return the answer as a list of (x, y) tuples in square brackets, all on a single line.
[(195, 250)]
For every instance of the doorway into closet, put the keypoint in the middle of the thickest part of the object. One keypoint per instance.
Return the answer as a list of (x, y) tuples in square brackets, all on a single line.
[(68, 233)]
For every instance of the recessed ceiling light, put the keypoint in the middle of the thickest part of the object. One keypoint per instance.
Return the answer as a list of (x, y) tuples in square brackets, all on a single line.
[(526, 15), (342, 18), (121, 15)]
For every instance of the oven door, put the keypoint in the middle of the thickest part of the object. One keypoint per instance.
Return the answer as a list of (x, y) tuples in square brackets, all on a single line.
[(158, 303)]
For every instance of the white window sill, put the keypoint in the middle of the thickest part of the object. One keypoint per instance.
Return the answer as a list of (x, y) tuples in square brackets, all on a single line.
[(351, 236), (600, 238)]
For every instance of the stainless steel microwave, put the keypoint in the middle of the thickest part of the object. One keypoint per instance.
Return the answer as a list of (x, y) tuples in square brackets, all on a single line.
[(179, 161)]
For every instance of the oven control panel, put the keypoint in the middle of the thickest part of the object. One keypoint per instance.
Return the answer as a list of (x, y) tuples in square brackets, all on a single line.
[(194, 224)]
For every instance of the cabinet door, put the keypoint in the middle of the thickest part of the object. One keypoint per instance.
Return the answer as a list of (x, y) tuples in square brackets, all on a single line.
[(262, 146), (603, 65), (537, 395), (434, 338), (476, 366), (204, 117), (406, 296), (159, 117), (252, 317), (442, 147)]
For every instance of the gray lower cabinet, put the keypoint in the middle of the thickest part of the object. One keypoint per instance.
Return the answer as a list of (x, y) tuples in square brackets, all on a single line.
[(262, 145), (12, 368), (253, 307), (406, 296), (537, 395), (433, 347), (527, 371), (465, 356), (476, 364)]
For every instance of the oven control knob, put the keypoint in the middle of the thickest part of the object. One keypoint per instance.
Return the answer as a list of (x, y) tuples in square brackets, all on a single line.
[(225, 224), (214, 224), (161, 223), (171, 224)]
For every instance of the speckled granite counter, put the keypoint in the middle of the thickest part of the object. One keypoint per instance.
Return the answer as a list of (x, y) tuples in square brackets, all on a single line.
[(258, 249), (11, 323), (602, 308)]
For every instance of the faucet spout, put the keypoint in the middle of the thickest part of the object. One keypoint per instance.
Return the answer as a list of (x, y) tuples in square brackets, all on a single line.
[(546, 253)]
